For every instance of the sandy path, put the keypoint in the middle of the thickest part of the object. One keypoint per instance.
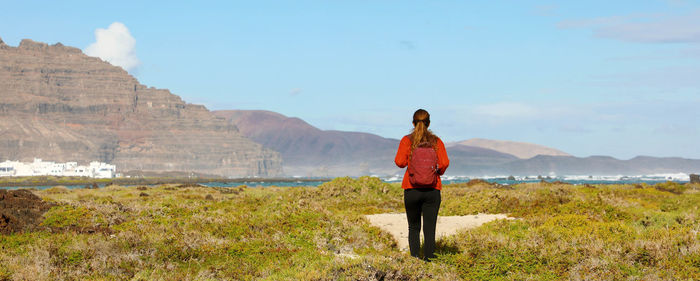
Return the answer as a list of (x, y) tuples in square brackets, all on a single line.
[(397, 225)]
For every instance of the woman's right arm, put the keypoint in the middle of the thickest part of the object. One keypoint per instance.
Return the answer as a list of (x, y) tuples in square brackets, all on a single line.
[(401, 159)]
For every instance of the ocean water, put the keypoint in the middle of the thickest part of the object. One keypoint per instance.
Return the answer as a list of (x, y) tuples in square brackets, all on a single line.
[(290, 183), (578, 179), (505, 180)]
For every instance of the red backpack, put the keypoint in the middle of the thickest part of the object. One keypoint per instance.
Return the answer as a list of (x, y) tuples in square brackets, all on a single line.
[(423, 166)]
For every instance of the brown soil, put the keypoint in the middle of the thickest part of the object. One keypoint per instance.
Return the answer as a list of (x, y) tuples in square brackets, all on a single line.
[(20, 210)]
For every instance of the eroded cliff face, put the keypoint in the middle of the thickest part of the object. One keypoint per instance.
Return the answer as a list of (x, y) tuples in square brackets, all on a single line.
[(61, 105)]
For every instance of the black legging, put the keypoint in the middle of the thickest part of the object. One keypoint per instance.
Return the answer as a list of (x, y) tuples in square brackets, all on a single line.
[(427, 203)]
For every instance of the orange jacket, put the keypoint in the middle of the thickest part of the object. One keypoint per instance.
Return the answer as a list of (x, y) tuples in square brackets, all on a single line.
[(402, 160)]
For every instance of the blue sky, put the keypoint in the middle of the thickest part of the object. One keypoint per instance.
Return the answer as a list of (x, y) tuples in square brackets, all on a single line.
[(619, 78)]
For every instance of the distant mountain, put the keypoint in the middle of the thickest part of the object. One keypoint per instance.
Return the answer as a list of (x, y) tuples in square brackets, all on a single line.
[(600, 165), (309, 151), (471, 160), (521, 150), (59, 104)]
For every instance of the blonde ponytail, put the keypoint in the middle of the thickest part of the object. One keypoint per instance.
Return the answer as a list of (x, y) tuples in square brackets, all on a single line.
[(421, 134)]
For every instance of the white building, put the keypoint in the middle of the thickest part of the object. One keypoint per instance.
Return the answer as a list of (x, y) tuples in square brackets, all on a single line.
[(41, 168), (102, 170), (8, 168)]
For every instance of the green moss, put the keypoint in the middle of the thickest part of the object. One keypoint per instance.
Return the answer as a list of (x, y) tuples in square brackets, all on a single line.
[(74, 258), (672, 187), (17, 242), (64, 216)]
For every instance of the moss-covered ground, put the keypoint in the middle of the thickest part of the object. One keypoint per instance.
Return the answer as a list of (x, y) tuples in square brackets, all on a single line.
[(563, 232)]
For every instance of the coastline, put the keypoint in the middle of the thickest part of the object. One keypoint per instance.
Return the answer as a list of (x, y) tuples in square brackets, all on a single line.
[(84, 181)]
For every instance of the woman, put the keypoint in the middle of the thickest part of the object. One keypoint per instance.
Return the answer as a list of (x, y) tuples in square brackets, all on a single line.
[(421, 199)]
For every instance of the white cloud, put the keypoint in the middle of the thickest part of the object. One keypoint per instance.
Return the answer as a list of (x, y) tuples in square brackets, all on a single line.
[(665, 80), (115, 45), (644, 28)]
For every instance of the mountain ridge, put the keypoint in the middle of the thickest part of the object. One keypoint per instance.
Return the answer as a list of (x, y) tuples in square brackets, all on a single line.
[(465, 160), (59, 104)]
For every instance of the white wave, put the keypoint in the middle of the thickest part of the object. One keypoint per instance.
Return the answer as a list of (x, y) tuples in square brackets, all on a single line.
[(394, 178), (671, 176), (651, 177)]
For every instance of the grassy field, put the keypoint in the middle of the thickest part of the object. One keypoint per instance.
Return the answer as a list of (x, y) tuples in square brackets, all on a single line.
[(167, 232)]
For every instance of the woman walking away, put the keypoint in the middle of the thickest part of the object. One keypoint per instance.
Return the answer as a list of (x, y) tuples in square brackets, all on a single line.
[(426, 158)]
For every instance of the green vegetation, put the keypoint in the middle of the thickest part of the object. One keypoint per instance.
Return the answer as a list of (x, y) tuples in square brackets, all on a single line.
[(50, 180), (138, 179), (609, 232)]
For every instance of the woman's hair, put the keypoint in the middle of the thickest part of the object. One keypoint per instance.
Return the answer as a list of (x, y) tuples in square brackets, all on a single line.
[(420, 133)]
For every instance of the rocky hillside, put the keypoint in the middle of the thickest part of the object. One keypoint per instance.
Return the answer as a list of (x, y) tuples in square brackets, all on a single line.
[(58, 104)]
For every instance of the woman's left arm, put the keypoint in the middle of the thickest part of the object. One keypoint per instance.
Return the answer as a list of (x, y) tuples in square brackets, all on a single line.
[(443, 161)]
